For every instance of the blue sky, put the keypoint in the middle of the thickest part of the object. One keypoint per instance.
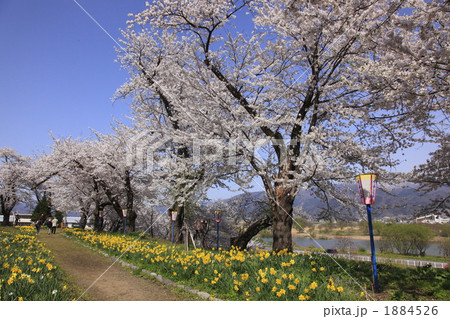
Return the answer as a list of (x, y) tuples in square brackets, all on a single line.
[(57, 72), (57, 69)]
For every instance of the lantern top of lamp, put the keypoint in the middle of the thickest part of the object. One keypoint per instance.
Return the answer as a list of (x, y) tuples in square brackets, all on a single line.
[(367, 185), (366, 175)]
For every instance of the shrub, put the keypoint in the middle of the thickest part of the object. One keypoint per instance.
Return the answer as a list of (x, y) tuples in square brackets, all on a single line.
[(301, 223), (408, 239), (444, 247), (445, 230)]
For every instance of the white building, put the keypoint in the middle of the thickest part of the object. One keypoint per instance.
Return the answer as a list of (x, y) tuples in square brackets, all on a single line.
[(432, 219)]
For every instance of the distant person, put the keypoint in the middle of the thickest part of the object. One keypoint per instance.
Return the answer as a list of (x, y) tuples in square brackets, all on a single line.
[(16, 222), (48, 223), (100, 221), (54, 225), (38, 225)]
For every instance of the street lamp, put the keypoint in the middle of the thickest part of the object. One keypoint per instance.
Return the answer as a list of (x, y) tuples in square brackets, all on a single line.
[(218, 214), (124, 212), (174, 218), (367, 185)]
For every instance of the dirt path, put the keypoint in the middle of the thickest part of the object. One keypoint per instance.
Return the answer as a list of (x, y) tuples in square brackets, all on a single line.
[(84, 267)]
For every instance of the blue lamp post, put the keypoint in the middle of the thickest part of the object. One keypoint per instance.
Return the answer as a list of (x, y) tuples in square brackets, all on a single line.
[(367, 185), (124, 213), (174, 218), (218, 214), (100, 220)]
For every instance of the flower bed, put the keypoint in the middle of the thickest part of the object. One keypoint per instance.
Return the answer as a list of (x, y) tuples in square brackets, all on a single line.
[(233, 274), (27, 271)]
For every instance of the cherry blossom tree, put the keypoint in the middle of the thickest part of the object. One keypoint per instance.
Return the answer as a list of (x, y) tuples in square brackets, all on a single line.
[(42, 169), (94, 175), (435, 174), (12, 183), (309, 94)]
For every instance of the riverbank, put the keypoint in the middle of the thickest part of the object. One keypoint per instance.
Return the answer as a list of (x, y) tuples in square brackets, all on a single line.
[(296, 234), (356, 245), (315, 235)]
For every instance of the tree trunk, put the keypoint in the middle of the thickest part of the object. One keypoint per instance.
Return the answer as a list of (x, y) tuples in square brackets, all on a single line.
[(6, 218), (131, 218), (131, 221), (282, 210), (243, 239), (178, 235), (3, 212), (116, 226), (83, 220)]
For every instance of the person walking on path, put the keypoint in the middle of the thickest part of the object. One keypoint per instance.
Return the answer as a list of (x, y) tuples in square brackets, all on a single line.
[(54, 225), (48, 223), (38, 225)]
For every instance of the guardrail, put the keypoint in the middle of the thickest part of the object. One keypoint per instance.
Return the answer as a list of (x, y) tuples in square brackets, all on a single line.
[(385, 260)]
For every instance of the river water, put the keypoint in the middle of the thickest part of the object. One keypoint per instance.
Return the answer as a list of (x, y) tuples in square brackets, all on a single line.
[(334, 243)]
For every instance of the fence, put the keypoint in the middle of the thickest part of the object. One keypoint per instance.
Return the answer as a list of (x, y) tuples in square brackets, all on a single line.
[(385, 260)]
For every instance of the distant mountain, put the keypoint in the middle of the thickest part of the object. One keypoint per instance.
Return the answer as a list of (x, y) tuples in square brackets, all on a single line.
[(403, 201), (24, 208)]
